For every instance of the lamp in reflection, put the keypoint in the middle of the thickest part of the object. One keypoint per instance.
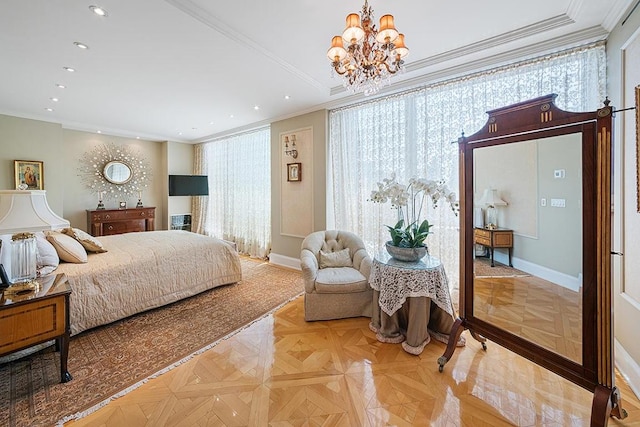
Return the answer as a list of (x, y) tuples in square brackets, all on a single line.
[(491, 200)]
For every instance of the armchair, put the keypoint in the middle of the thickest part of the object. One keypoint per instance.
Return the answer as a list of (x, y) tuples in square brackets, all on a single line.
[(335, 268)]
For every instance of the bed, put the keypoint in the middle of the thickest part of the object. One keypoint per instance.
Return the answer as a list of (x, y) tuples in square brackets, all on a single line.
[(146, 270)]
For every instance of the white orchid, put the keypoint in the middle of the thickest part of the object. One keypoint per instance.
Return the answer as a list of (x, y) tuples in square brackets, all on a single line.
[(418, 189)]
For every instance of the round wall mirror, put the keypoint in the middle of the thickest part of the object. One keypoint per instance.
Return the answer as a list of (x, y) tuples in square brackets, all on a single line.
[(117, 172)]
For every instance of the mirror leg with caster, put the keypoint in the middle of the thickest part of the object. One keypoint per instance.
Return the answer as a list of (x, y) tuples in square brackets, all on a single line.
[(606, 403)]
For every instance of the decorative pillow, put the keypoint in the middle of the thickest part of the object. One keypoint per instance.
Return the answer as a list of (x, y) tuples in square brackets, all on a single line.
[(68, 248), (87, 241), (335, 259), (46, 256)]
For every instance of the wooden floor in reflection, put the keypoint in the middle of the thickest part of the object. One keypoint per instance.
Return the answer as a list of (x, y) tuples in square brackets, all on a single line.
[(283, 371), (532, 308)]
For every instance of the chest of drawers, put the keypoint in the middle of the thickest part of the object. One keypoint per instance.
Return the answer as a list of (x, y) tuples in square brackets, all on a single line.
[(105, 222)]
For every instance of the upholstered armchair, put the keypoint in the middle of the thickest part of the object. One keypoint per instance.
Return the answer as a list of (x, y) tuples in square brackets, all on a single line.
[(335, 267)]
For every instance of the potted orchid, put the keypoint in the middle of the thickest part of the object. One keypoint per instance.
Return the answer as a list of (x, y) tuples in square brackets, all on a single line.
[(411, 231)]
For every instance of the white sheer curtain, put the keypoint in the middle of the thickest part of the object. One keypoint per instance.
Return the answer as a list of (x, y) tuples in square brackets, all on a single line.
[(239, 203), (413, 134)]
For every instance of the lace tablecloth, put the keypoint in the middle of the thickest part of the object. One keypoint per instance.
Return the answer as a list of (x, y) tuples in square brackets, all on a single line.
[(398, 280)]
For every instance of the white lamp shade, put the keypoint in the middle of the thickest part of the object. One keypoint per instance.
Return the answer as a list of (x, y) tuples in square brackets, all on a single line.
[(22, 211), (491, 198)]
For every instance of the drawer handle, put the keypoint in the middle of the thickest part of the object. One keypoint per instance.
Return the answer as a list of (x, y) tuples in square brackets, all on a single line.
[(110, 227), (142, 213), (107, 216)]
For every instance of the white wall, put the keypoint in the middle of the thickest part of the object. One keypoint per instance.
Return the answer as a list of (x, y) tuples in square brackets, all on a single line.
[(623, 61)]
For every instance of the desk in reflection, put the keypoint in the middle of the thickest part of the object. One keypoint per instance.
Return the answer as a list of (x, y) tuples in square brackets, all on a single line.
[(411, 302)]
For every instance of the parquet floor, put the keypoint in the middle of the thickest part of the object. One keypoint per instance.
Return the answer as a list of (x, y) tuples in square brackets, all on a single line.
[(535, 309), (282, 371)]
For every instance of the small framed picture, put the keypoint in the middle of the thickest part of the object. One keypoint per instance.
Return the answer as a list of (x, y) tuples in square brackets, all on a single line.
[(29, 172), (123, 205), (294, 171)]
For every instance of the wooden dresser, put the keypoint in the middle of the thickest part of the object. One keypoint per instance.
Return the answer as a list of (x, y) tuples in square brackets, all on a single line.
[(105, 222)]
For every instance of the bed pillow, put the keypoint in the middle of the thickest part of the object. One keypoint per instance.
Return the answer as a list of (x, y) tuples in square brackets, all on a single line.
[(335, 259), (47, 258), (87, 241), (68, 248)]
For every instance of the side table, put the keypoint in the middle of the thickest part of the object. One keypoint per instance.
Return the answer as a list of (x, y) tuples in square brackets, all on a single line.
[(36, 317), (494, 238), (411, 302)]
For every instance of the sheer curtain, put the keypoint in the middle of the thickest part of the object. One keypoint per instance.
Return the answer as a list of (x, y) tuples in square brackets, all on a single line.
[(413, 134), (238, 208)]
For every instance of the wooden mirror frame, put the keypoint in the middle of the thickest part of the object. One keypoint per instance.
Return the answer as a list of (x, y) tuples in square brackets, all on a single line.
[(525, 121)]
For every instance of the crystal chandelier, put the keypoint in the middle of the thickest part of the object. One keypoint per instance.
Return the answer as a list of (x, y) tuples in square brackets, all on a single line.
[(372, 56)]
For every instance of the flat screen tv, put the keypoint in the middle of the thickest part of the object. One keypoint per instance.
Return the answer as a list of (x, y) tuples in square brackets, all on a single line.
[(188, 185)]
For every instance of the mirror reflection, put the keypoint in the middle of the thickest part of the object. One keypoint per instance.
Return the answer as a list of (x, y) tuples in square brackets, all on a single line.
[(117, 172), (528, 241)]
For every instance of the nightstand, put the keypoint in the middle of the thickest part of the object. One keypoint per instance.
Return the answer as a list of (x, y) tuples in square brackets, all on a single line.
[(494, 238), (37, 317)]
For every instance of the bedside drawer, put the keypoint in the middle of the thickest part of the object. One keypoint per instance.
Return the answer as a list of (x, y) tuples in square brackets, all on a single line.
[(483, 234), (481, 240), (109, 228)]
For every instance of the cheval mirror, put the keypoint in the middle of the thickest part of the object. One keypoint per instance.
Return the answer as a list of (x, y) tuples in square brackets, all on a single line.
[(547, 174)]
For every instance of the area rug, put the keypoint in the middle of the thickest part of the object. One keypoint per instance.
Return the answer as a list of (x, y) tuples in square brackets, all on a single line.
[(112, 359), (482, 268)]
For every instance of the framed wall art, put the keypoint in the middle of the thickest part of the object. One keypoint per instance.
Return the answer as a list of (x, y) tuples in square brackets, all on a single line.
[(29, 172), (294, 171)]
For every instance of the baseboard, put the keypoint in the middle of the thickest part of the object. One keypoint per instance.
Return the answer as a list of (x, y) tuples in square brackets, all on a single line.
[(561, 279), (628, 368), (284, 261)]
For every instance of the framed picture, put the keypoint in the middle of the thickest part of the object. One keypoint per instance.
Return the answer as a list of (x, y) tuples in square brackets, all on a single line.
[(294, 171), (30, 172)]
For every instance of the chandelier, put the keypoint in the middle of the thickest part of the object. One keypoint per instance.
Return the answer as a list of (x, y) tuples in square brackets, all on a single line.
[(372, 56)]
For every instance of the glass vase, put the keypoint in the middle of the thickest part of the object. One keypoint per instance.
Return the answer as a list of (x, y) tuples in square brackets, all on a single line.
[(23, 257)]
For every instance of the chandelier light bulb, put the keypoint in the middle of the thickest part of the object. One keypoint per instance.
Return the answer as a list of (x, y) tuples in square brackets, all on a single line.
[(353, 33), (388, 32), (336, 52)]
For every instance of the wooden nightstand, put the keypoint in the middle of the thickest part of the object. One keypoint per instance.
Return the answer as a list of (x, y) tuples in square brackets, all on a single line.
[(496, 238), (36, 317)]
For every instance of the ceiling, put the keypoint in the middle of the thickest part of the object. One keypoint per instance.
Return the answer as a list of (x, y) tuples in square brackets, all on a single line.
[(190, 70)]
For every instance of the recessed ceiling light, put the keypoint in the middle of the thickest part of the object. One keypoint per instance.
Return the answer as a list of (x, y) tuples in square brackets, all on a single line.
[(256, 107), (49, 109), (210, 123), (99, 131), (98, 10), (231, 116), (69, 69), (81, 45), (287, 97), (54, 99), (179, 133), (60, 86), (137, 137)]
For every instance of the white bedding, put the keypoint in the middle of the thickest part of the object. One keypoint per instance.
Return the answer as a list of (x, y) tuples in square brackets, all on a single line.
[(145, 270)]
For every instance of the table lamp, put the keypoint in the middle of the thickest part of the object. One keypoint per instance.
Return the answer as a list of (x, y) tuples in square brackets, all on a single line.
[(491, 199), (22, 213)]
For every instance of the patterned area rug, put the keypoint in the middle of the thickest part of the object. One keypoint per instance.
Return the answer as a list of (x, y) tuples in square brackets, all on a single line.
[(110, 359), (482, 268)]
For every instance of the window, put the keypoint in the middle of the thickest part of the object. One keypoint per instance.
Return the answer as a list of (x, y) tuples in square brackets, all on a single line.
[(238, 208)]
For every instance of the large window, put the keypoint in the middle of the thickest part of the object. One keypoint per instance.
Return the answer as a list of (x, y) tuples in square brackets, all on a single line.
[(238, 208), (413, 134)]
